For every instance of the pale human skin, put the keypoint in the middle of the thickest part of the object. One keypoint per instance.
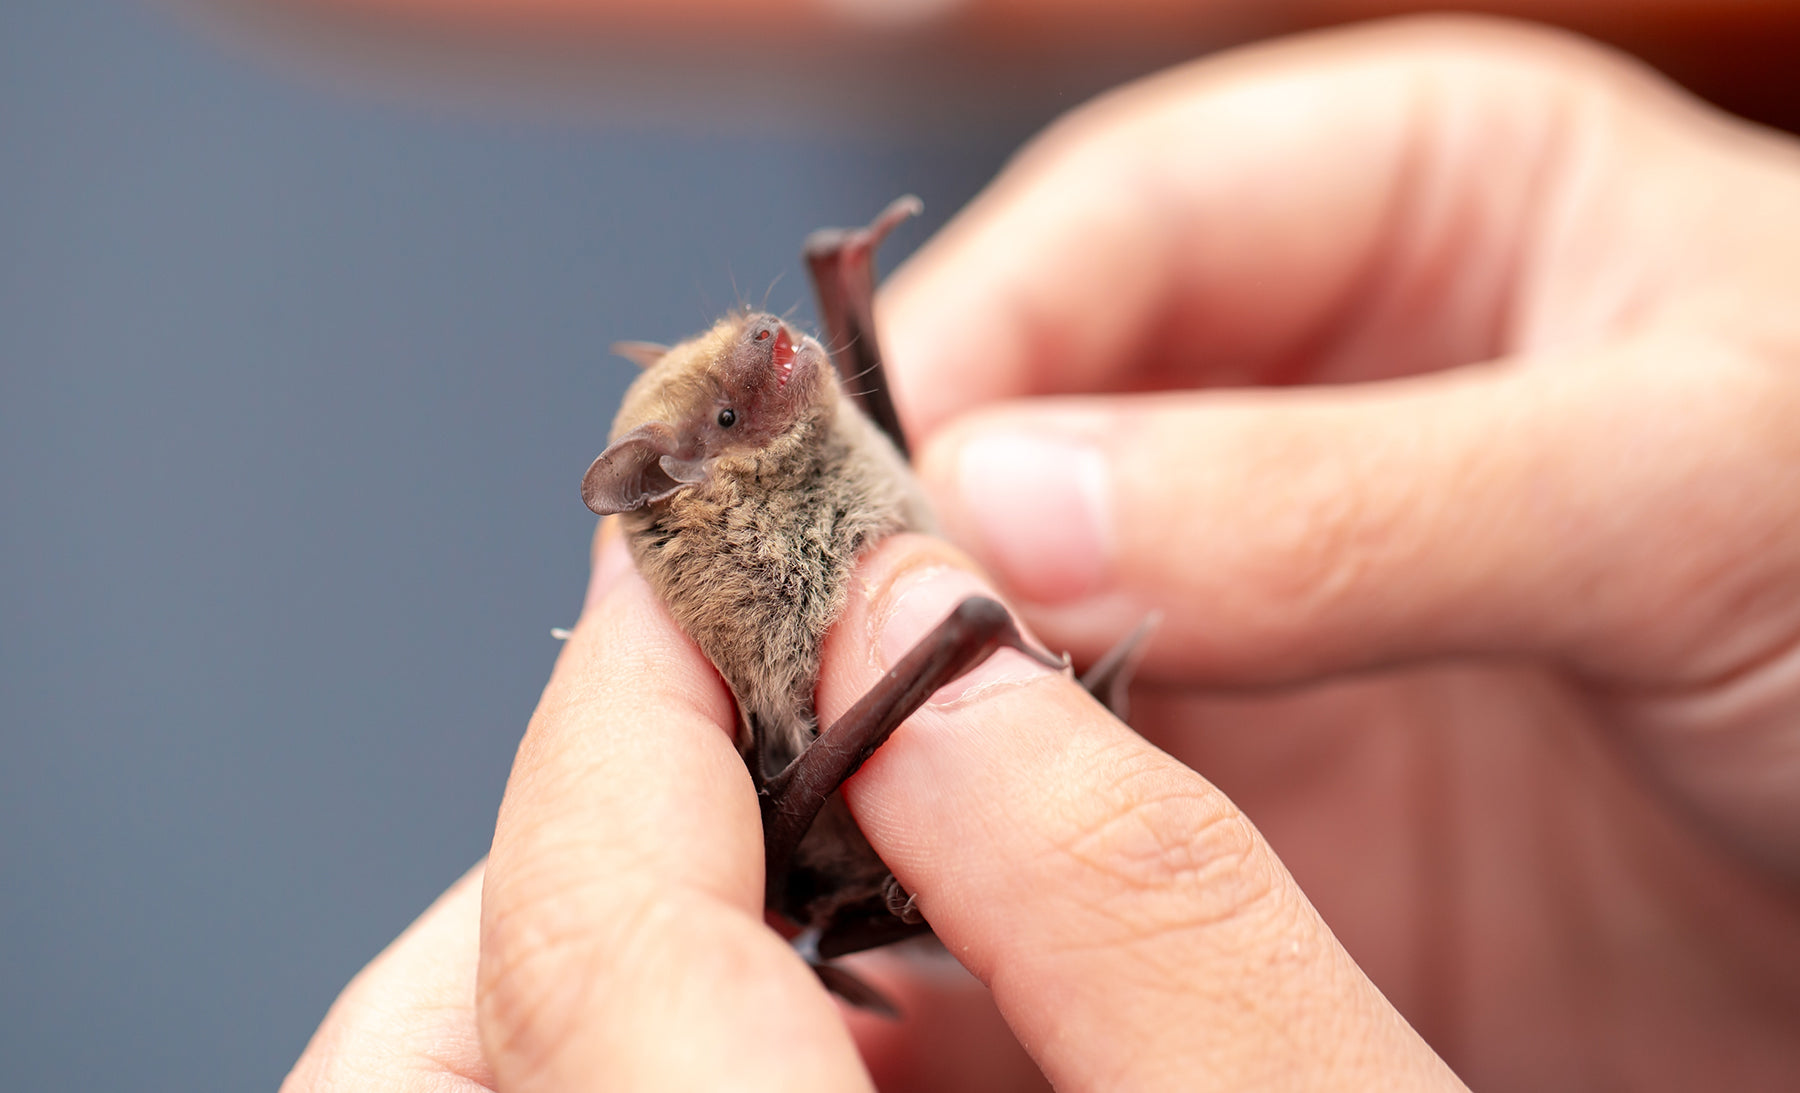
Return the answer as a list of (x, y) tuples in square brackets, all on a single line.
[(1532, 595)]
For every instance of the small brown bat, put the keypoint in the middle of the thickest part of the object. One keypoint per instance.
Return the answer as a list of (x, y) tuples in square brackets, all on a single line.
[(748, 483)]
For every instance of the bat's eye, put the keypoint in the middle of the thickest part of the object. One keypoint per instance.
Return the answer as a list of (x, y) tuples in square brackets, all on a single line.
[(727, 418)]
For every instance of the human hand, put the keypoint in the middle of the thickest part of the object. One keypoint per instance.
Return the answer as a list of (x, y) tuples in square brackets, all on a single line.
[(1136, 931), (1504, 494), (1534, 908)]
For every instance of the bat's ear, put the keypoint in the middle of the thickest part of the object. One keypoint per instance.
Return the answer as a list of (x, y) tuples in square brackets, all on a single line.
[(641, 467), (642, 354)]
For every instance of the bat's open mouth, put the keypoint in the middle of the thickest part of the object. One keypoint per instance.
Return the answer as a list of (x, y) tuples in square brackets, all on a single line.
[(782, 356)]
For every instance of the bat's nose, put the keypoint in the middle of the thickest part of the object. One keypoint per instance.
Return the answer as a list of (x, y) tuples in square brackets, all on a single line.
[(759, 329)]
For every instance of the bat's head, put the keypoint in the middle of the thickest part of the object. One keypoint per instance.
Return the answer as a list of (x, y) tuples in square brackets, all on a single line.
[(749, 387)]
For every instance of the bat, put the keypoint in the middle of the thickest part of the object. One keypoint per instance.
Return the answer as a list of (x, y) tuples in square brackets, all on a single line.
[(750, 467)]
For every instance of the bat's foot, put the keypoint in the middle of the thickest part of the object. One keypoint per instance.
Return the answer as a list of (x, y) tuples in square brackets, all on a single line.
[(855, 990), (840, 980), (1109, 680), (902, 904)]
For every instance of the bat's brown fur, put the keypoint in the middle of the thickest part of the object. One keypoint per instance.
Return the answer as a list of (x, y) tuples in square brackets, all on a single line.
[(753, 560), (748, 533)]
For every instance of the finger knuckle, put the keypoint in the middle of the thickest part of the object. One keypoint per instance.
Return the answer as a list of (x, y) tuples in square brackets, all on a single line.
[(1163, 852), (1324, 533), (547, 967)]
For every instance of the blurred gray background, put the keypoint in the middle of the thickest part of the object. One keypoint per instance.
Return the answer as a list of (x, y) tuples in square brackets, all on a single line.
[(297, 383)]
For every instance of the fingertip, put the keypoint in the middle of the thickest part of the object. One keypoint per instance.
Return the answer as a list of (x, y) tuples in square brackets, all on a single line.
[(900, 592), (629, 755)]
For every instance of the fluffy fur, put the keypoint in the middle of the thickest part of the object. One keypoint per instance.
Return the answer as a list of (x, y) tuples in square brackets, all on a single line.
[(753, 561)]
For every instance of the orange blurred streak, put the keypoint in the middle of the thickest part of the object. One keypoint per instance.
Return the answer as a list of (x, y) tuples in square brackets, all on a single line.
[(1738, 53)]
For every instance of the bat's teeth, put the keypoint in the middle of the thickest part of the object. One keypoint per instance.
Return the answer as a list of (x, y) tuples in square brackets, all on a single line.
[(782, 355)]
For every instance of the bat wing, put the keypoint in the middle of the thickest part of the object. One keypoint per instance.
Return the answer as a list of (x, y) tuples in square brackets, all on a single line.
[(842, 264)]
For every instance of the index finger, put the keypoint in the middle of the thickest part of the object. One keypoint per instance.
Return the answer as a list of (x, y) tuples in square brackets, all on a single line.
[(622, 940), (1345, 206)]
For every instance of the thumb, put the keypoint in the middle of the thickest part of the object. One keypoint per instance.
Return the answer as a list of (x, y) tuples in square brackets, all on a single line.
[(1616, 510), (1135, 929), (622, 936)]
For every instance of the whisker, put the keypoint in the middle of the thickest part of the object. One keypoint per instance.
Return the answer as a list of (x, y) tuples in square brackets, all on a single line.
[(834, 349), (865, 372)]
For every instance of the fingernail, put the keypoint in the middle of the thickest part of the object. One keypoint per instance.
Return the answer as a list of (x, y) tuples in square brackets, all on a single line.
[(611, 561), (1041, 504), (914, 602)]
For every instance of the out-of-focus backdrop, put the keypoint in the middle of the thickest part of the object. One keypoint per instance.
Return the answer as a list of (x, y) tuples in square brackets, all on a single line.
[(302, 355), (297, 385)]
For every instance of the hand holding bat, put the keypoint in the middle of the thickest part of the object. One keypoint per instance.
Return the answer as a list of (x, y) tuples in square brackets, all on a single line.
[(1532, 621)]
